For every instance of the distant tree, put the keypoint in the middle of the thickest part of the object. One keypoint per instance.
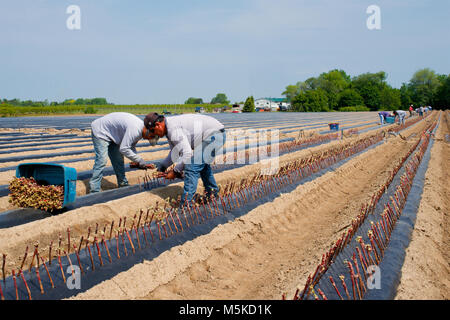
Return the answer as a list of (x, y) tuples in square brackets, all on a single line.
[(192, 100), (443, 95), (424, 85), (390, 99), (350, 98), (69, 101), (405, 96), (309, 84), (292, 90), (311, 101), (333, 82), (249, 105), (369, 86), (220, 98), (98, 101)]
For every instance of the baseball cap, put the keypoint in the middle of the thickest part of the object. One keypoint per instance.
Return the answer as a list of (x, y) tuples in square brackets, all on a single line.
[(151, 119)]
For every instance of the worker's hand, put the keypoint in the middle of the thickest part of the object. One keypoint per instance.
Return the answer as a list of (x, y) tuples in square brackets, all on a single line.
[(169, 175), (142, 166), (147, 166), (161, 168), (134, 165)]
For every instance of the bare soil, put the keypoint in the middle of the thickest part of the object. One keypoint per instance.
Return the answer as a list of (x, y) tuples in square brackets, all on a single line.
[(273, 248), (425, 273)]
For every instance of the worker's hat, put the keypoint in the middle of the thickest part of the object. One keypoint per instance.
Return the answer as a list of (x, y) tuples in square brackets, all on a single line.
[(151, 119)]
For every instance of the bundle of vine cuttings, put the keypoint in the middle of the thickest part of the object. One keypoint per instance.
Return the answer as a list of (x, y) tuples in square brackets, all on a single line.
[(28, 193)]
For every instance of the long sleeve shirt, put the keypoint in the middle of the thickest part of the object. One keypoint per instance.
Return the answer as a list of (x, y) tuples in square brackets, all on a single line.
[(401, 113), (123, 129), (186, 132), (384, 114)]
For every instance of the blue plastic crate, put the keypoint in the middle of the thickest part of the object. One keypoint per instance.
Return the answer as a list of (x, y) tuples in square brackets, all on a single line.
[(51, 173), (390, 119), (334, 126)]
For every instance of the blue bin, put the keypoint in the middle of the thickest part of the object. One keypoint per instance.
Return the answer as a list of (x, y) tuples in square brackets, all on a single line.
[(334, 126), (51, 173), (390, 119)]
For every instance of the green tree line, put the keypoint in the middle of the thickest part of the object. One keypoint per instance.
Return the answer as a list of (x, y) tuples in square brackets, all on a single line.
[(46, 103), (7, 110), (220, 98), (337, 91)]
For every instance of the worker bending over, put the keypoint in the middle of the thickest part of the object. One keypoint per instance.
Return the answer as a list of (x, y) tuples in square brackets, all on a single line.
[(401, 116), (116, 135), (194, 141), (383, 115)]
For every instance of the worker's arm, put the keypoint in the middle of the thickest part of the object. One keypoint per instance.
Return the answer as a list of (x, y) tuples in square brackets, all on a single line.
[(182, 151), (128, 146), (167, 162)]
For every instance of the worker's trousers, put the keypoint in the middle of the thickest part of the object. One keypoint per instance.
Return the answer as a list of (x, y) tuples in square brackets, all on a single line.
[(381, 119), (199, 167), (103, 149)]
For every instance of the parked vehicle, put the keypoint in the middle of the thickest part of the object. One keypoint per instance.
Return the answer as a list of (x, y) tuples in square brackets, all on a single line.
[(199, 109)]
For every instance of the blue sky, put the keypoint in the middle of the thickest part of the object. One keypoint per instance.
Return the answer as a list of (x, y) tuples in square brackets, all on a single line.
[(147, 51)]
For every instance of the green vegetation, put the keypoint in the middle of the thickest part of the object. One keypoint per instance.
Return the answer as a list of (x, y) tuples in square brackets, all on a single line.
[(90, 110), (337, 91), (220, 98), (17, 111), (249, 105), (45, 103), (311, 101), (192, 100), (330, 91)]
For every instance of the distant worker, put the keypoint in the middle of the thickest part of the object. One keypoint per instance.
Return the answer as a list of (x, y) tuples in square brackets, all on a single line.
[(401, 116), (116, 135), (383, 115), (421, 111), (194, 141), (411, 110)]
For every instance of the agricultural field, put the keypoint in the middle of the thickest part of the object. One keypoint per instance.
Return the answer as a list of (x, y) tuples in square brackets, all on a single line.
[(357, 213)]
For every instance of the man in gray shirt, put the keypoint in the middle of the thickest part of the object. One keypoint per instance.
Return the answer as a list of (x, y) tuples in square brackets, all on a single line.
[(194, 141), (401, 116), (116, 135)]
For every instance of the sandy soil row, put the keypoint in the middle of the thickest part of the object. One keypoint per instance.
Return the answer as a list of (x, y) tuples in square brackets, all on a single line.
[(14, 240), (268, 251), (426, 271), (305, 221)]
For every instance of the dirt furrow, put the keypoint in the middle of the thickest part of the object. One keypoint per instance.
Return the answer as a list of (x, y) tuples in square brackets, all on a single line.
[(268, 251), (426, 271)]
